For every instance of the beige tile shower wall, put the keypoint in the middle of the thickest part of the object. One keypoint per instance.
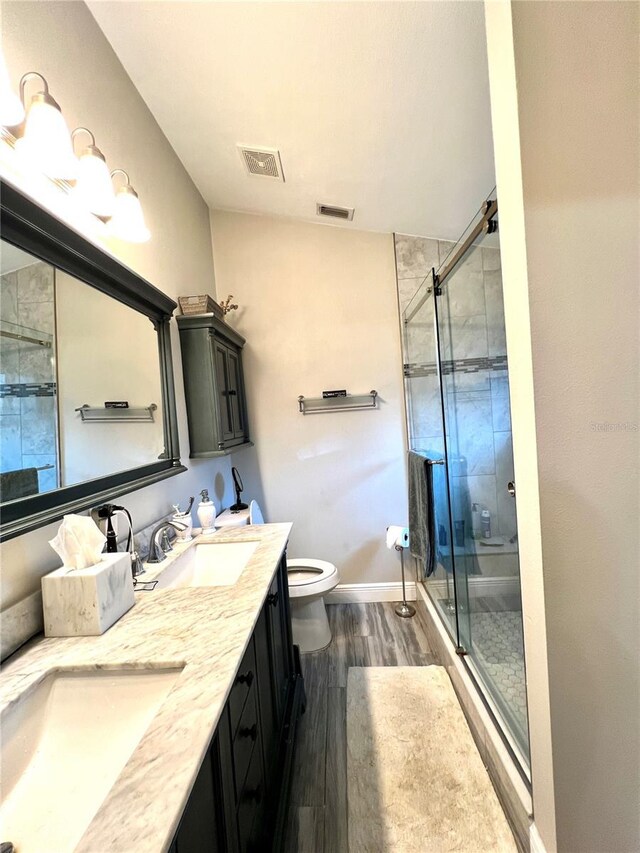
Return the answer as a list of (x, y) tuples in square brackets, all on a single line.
[(318, 308), (472, 308), (63, 41)]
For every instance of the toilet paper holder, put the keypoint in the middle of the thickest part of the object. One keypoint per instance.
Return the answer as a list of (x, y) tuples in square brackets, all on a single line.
[(398, 539)]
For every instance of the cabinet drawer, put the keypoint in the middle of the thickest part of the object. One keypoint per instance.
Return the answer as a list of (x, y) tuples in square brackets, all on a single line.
[(241, 687), (245, 740), (251, 800)]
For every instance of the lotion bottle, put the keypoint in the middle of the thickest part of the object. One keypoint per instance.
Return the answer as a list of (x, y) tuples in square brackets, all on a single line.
[(206, 513)]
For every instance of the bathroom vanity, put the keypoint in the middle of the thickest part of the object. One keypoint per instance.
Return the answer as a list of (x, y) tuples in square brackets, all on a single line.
[(210, 771), (238, 801)]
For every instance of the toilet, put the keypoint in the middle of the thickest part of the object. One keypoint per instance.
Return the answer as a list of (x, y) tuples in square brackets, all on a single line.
[(309, 581)]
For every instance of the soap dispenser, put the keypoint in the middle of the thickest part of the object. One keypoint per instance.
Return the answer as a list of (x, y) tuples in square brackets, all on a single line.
[(206, 512)]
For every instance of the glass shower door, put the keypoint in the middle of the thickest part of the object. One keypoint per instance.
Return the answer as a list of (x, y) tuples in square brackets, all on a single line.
[(474, 382)]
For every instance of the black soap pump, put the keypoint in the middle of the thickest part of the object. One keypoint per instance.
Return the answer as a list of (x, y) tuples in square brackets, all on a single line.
[(239, 487)]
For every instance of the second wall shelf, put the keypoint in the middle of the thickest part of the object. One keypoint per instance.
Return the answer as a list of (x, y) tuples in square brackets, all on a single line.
[(348, 402)]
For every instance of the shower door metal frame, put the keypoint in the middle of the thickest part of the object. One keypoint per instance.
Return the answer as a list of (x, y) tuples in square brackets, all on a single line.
[(486, 224), (460, 650)]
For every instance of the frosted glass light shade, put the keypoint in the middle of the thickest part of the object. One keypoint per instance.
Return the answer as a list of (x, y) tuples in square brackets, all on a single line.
[(127, 222), (94, 188), (46, 142)]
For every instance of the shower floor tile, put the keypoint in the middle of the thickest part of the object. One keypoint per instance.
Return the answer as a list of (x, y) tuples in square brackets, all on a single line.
[(499, 650)]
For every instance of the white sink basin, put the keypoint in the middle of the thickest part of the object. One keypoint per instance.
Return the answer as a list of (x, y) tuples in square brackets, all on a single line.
[(64, 744), (208, 564)]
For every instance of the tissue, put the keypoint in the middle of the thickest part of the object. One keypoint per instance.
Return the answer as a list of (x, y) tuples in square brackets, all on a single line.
[(397, 535), (79, 542)]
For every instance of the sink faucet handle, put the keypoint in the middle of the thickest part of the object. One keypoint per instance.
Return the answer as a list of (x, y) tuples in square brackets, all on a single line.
[(165, 542), (137, 567)]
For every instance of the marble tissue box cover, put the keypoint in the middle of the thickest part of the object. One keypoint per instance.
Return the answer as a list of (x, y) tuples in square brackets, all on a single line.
[(85, 602)]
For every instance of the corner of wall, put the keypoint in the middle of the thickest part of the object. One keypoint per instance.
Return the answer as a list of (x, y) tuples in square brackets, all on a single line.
[(506, 135)]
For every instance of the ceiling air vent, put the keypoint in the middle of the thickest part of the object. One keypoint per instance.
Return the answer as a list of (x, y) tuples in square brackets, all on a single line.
[(336, 212), (265, 162)]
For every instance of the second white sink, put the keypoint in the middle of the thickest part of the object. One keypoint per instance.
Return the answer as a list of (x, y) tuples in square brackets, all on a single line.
[(64, 743), (208, 564)]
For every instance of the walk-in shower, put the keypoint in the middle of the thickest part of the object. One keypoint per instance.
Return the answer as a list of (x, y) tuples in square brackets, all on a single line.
[(457, 396)]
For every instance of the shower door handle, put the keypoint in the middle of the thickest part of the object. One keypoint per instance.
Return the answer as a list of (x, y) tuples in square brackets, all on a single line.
[(511, 488)]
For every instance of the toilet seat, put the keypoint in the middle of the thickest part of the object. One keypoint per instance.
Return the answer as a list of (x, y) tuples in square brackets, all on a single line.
[(310, 577)]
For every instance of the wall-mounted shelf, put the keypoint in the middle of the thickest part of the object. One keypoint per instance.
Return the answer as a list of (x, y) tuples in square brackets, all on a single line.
[(94, 414), (317, 405)]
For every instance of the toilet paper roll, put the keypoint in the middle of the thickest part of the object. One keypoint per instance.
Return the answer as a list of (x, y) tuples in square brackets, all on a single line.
[(397, 535)]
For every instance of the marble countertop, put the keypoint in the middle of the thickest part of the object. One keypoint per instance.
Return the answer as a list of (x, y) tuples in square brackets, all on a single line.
[(204, 631)]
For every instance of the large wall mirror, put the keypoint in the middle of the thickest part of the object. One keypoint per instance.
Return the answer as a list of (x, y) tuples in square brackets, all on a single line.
[(87, 408)]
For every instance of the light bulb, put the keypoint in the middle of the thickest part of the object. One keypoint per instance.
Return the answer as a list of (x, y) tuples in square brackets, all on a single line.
[(46, 142), (127, 222), (11, 109), (94, 188)]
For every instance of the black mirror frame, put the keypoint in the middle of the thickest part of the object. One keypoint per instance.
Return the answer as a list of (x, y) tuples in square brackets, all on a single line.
[(29, 227)]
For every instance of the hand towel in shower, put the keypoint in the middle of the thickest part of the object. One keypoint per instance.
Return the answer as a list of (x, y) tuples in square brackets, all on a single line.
[(18, 484), (421, 518)]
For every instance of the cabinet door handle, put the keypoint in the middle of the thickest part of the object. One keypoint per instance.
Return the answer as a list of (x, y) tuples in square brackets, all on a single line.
[(253, 794), (232, 393), (245, 678), (273, 598), (511, 488), (249, 731)]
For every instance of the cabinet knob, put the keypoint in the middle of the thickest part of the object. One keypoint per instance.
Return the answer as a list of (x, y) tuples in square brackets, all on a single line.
[(273, 598), (511, 488), (249, 731), (253, 794), (245, 678)]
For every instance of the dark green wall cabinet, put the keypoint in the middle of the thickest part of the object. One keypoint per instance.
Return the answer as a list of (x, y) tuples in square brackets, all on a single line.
[(239, 800), (213, 385)]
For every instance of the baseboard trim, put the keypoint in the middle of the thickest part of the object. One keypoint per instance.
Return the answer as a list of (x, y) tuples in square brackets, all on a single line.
[(537, 844), (354, 593), (481, 586)]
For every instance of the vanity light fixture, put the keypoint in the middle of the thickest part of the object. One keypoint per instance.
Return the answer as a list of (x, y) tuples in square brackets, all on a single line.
[(46, 142), (127, 222), (44, 145), (94, 187), (11, 109)]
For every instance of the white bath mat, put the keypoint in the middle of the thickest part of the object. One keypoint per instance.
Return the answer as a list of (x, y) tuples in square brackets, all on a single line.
[(416, 782)]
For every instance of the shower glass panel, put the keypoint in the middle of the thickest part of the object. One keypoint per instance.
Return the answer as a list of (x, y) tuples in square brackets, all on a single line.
[(457, 390), (424, 413)]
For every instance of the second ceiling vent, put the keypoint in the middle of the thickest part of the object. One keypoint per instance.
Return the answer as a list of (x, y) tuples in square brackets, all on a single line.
[(334, 211), (264, 162)]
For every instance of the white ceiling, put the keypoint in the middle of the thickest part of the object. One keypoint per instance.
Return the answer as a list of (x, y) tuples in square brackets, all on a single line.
[(381, 106)]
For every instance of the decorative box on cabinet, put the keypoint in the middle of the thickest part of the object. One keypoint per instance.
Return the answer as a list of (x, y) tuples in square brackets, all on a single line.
[(239, 801), (213, 385)]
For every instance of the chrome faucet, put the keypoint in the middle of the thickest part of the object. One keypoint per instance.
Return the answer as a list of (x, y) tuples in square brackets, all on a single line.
[(156, 550)]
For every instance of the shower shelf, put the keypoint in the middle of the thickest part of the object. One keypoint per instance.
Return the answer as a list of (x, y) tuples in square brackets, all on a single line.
[(317, 405), (94, 414)]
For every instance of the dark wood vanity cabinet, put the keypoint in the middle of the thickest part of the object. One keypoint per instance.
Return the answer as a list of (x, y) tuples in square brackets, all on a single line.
[(239, 800), (213, 384)]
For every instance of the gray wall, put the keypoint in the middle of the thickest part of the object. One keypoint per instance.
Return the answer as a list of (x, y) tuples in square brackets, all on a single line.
[(62, 40), (578, 101)]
